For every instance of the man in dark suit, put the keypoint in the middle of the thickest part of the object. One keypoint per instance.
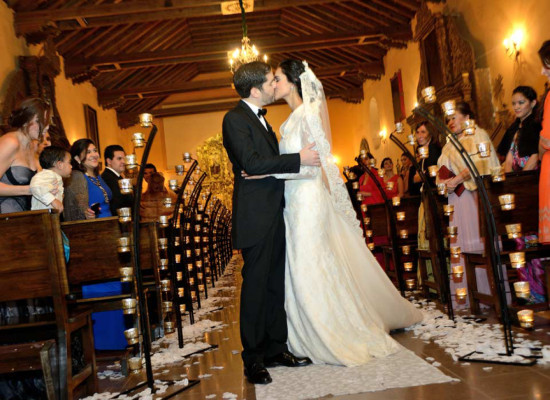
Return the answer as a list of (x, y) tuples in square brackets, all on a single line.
[(115, 158), (258, 224)]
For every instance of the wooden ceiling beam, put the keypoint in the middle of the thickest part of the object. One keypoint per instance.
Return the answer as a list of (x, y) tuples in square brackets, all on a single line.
[(137, 11), (112, 96), (77, 66)]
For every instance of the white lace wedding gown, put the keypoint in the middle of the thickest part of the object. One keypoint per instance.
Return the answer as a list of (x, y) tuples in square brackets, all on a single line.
[(339, 302)]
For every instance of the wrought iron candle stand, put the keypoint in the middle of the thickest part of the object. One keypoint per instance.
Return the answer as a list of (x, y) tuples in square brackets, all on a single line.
[(174, 232), (428, 190), (146, 121), (393, 224), (494, 249)]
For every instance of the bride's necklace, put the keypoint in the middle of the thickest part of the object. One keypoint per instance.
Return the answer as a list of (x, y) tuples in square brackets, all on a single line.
[(95, 181)]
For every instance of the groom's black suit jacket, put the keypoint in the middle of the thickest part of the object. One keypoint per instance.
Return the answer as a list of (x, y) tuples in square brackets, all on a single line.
[(253, 148)]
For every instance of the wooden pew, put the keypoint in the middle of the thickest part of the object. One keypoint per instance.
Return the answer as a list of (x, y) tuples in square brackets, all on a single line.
[(524, 185), (33, 267)]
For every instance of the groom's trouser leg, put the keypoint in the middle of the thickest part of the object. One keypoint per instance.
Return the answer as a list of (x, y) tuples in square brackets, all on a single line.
[(263, 317)]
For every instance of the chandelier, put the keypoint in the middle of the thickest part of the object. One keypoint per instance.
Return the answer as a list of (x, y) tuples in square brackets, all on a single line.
[(247, 53)]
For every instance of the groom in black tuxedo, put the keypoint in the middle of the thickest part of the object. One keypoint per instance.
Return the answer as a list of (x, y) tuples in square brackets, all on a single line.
[(258, 224)]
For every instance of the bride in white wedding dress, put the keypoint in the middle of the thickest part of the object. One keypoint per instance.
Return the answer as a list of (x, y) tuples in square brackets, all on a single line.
[(340, 304)]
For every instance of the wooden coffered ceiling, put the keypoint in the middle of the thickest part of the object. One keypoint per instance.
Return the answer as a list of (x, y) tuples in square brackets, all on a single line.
[(169, 57)]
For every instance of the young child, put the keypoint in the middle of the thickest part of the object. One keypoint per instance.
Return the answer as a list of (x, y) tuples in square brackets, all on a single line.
[(47, 185)]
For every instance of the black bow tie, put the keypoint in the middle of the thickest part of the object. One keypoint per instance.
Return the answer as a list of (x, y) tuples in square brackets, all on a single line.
[(262, 112)]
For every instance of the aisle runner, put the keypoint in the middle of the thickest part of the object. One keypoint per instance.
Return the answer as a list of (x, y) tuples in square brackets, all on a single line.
[(402, 369)]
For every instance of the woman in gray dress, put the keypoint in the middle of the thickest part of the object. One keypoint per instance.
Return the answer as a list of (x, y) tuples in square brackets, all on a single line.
[(17, 154)]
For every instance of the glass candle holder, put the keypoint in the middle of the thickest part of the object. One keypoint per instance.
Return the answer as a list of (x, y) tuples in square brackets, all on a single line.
[(390, 185), (163, 243), (484, 149), (455, 251), (513, 231), (173, 184), (408, 266), (497, 174), (167, 202), (458, 271), (522, 289), (469, 127), (403, 233), (126, 274), (124, 244), (452, 231), (507, 201), (372, 162), (168, 327), (442, 189), (146, 120), (428, 93), (400, 215), (131, 162), (432, 170), (129, 306), (364, 207), (131, 335), (135, 364), (410, 283), (187, 157), (526, 319), (399, 127), (411, 139), (163, 221), (180, 169), (125, 186), (406, 250), (124, 214), (163, 266), (381, 173), (138, 140), (165, 285), (461, 293), (449, 108), (167, 306), (424, 151), (371, 246), (368, 232), (517, 259), (366, 221), (396, 201), (448, 209)]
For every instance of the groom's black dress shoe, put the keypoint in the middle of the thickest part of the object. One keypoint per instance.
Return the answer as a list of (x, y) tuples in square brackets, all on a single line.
[(287, 359), (256, 373)]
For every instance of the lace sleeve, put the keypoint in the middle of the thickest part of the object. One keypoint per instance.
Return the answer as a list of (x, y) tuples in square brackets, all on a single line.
[(306, 172)]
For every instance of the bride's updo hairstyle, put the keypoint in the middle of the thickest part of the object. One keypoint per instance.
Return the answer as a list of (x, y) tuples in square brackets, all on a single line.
[(28, 108), (292, 70)]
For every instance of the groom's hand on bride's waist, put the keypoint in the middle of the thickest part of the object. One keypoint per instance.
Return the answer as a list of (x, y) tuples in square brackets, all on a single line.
[(310, 157), (246, 176)]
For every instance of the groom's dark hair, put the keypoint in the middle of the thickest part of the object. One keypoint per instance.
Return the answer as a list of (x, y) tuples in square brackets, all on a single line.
[(251, 75)]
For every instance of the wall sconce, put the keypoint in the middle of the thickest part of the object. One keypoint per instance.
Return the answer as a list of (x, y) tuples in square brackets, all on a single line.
[(513, 44), (383, 135)]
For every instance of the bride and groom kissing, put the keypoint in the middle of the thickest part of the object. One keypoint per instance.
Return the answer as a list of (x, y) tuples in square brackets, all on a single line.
[(311, 291)]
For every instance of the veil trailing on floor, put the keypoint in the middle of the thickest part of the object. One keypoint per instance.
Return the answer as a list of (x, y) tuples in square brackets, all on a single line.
[(318, 123)]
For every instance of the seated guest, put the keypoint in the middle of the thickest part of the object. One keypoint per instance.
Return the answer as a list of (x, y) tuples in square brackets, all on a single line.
[(115, 158), (519, 146), (393, 183), (18, 162), (367, 187), (152, 201), (87, 196), (47, 185)]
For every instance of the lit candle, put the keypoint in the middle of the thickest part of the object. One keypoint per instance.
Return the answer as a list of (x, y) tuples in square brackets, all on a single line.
[(366, 221), (355, 185), (187, 157), (126, 274), (400, 215), (135, 364), (522, 290), (484, 149), (406, 250), (403, 233), (399, 127), (411, 283), (411, 139), (408, 266), (452, 231), (432, 170), (461, 293), (131, 162), (513, 231), (389, 185), (146, 120), (424, 151), (507, 201), (526, 319), (167, 202), (458, 271), (368, 232), (364, 207), (497, 174), (455, 251), (396, 201), (180, 169), (138, 140), (371, 246), (173, 184), (449, 108), (448, 209), (124, 244), (381, 173), (124, 214), (469, 127), (442, 189), (517, 259), (429, 94), (125, 186), (163, 221), (163, 243)]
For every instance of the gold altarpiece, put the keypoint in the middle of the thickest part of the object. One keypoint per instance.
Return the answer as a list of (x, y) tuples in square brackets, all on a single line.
[(214, 161)]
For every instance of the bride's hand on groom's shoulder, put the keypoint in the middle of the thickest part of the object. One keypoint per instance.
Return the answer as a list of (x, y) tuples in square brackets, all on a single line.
[(246, 176)]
